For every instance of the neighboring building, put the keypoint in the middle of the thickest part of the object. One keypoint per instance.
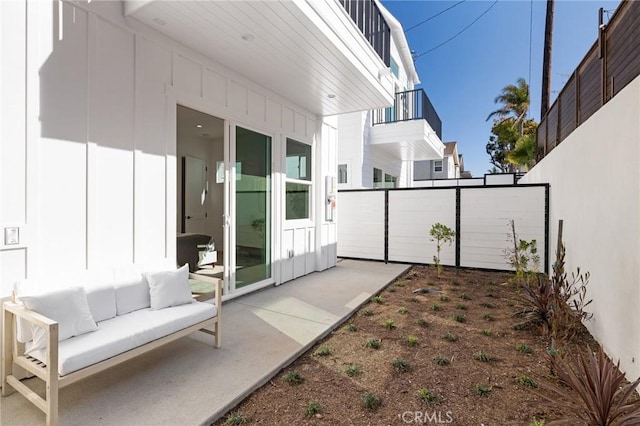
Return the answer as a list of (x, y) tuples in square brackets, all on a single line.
[(448, 167), (464, 174), (377, 148), (126, 123)]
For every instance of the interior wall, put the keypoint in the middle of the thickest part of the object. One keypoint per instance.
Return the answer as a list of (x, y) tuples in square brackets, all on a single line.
[(595, 188)]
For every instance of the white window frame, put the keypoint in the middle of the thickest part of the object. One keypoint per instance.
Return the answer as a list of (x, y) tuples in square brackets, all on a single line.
[(435, 166), (308, 221), (346, 166)]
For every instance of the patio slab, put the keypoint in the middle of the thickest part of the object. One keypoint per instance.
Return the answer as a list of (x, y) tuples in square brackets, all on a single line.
[(188, 382)]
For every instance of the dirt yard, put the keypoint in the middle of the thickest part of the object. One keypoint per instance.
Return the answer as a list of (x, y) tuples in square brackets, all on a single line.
[(451, 356)]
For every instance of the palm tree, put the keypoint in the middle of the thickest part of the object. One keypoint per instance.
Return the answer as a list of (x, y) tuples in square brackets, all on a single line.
[(524, 152), (515, 103)]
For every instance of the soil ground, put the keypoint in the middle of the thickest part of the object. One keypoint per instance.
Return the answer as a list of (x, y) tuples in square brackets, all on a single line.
[(477, 307)]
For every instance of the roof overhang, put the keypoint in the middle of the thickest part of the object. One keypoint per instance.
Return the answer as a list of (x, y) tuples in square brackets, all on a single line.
[(408, 140), (309, 52)]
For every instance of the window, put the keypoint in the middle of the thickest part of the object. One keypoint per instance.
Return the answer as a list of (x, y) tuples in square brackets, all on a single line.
[(390, 181), (342, 174), (298, 184), (377, 178), (394, 68), (437, 166)]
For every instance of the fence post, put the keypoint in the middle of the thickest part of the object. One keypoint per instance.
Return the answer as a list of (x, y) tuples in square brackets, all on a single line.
[(458, 192), (386, 225), (546, 229)]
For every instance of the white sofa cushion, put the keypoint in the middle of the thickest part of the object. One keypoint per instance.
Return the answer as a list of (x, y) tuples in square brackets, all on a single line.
[(132, 293), (102, 302), (123, 333), (169, 288), (68, 307)]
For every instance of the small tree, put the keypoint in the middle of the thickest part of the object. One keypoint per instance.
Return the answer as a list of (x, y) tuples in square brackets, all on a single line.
[(440, 234)]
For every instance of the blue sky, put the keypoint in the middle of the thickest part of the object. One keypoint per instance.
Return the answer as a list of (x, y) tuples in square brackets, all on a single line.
[(464, 76)]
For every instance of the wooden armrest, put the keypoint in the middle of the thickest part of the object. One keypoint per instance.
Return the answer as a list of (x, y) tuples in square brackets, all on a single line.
[(28, 315)]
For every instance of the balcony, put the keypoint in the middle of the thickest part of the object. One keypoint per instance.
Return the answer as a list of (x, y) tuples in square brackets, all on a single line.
[(310, 52), (410, 130)]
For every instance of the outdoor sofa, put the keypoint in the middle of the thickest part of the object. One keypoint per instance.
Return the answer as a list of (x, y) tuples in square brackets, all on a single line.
[(67, 335)]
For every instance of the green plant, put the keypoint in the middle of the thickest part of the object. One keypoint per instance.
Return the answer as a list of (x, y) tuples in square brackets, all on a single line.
[(374, 343), (351, 327), (293, 378), (441, 360), (483, 390), (444, 298), (487, 331), (324, 350), (450, 337), (523, 348), (521, 253), (465, 296), (527, 381), (400, 365), (487, 305), (403, 310), (422, 322), (414, 300), (461, 306), (487, 317), (388, 324), (235, 418), (600, 395), (536, 422), (412, 340), (353, 370), (313, 408), (366, 312), (460, 318), (427, 395), (370, 401), (440, 234), (436, 307), (377, 299), (391, 290), (400, 284), (481, 356)]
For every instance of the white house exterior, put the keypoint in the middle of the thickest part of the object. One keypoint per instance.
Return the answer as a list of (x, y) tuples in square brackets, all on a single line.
[(377, 147), (101, 101), (449, 167)]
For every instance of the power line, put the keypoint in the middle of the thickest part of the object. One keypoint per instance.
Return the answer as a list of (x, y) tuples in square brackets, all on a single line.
[(434, 16), (459, 32)]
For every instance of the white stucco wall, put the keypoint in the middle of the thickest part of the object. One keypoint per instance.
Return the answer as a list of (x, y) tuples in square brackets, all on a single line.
[(594, 176), (89, 159)]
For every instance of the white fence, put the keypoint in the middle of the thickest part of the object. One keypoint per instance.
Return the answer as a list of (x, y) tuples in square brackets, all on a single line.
[(393, 224)]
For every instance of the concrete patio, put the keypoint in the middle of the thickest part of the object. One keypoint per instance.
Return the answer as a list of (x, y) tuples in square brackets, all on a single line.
[(189, 383)]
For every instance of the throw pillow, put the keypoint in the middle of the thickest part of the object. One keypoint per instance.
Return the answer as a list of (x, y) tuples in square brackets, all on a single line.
[(68, 307), (169, 288)]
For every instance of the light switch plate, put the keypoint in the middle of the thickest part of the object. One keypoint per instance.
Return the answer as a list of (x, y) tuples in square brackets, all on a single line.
[(11, 236)]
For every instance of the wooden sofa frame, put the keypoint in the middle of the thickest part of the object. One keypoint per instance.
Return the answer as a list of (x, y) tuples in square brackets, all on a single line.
[(13, 353)]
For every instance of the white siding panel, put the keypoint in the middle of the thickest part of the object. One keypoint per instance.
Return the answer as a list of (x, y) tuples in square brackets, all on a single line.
[(500, 179), (110, 195), (286, 271), (299, 250), (361, 225), (484, 218), (274, 113), (187, 75), (411, 215), (13, 267), (300, 124), (309, 250), (214, 87), (153, 67), (287, 120), (238, 98), (257, 106)]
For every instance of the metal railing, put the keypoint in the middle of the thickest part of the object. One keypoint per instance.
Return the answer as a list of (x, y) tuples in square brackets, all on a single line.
[(612, 62), (367, 17), (407, 106)]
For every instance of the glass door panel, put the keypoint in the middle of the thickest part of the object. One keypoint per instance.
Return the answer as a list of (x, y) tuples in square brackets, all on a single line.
[(253, 201)]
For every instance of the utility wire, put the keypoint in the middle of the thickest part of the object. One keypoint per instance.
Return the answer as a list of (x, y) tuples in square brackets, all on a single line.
[(458, 33), (434, 16)]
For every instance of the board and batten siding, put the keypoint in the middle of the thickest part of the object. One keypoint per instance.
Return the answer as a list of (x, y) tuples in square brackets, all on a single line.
[(99, 138), (485, 213)]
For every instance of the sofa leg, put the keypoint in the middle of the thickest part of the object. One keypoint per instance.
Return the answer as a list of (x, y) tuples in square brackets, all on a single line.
[(52, 403), (7, 351), (218, 337)]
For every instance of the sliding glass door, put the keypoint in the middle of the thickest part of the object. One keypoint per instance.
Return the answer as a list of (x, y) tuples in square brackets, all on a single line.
[(253, 207)]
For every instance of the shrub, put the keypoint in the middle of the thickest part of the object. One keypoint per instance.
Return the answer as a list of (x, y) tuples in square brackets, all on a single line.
[(527, 381), (324, 350), (483, 390), (436, 307), (388, 324), (353, 370), (461, 306), (366, 312), (293, 378), (403, 310), (235, 418), (481, 356), (487, 317), (441, 360), (400, 365), (450, 337), (523, 349), (521, 253), (377, 299), (459, 318), (536, 422), (487, 331), (600, 395), (351, 327), (313, 408), (440, 234), (427, 395), (412, 340), (370, 401), (373, 343)]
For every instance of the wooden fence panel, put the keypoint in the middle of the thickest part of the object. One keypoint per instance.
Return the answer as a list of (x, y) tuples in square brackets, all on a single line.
[(567, 104), (623, 51)]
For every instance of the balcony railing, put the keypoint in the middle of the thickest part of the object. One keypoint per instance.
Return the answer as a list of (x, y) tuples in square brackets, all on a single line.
[(407, 106), (367, 16)]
